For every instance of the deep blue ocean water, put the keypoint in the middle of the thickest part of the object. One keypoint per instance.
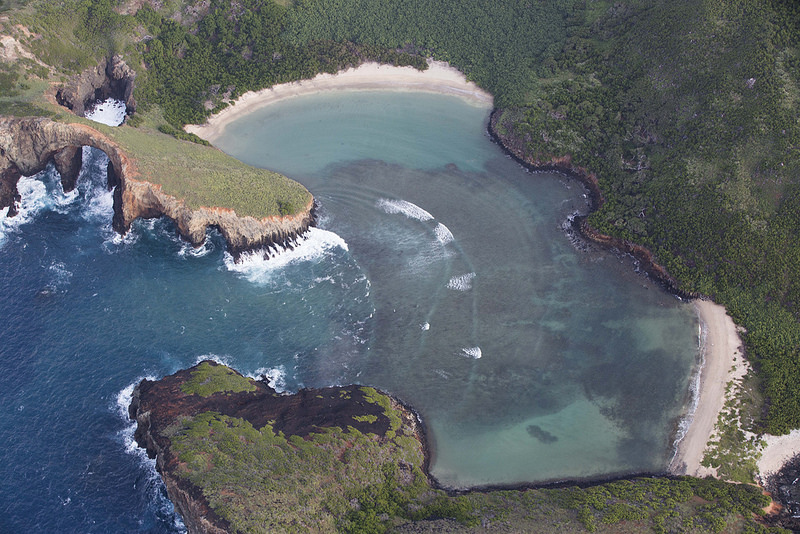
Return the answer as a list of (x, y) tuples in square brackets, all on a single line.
[(501, 332)]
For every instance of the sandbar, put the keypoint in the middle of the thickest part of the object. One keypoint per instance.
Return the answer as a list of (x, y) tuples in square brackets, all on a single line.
[(439, 78), (723, 363)]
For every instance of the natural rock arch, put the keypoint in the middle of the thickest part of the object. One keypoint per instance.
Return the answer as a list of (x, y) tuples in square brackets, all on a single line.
[(28, 145)]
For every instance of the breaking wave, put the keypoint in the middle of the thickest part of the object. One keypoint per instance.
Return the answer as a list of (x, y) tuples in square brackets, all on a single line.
[(110, 112), (461, 282), (154, 485), (259, 266), (404, 207), (472, 352)]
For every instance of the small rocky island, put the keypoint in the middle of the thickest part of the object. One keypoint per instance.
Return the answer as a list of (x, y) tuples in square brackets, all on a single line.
[(236, 456)]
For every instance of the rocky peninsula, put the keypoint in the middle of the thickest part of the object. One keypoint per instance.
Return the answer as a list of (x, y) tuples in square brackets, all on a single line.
[(29, 145), (236, 456)]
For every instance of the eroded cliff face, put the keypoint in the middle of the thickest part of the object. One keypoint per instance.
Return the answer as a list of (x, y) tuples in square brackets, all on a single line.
[(28, 145), (309, 442), (110, 78)]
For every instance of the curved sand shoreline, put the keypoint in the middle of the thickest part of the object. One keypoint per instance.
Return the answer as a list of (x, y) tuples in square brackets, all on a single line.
[(439, 78), (723, 360), (723, 363)]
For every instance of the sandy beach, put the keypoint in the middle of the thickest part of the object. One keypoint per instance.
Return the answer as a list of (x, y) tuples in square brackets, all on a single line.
[(438, 78), (778, 451), (723, 363)]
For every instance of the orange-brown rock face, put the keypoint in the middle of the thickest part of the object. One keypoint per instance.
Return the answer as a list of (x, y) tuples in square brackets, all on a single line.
[(27, 145)]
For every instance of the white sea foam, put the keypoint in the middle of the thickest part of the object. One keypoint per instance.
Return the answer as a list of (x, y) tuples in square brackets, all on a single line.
[(313, 246), (461, 282), (110, 112), (443, 234), (61, 276), (33, 200), (99, 206), (412, 211), (472, 352), (154, 486), (276, 377), (442, 373), (694, 389), (63, 202), (222, 360), (115, 242), (188, 250)]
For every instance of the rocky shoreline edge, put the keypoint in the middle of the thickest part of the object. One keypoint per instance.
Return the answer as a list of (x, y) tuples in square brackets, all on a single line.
[(236, 456), (28, 145), (564, 165)]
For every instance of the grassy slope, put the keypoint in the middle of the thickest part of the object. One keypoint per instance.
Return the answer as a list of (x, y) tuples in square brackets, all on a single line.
[(205, 176), (200, 175)]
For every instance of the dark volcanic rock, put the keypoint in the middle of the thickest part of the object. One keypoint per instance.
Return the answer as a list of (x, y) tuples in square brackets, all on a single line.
[(160, 407), (785, 488)]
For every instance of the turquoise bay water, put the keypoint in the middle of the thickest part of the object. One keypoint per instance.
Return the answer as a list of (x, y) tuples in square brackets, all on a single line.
[(441, 273), (528, 359)]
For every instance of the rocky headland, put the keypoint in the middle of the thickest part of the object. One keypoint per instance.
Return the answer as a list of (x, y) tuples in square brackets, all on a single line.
[(28, 145), (236, 456)]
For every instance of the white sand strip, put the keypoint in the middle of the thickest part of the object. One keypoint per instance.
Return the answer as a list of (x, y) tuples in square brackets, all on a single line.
[(723, 363), (438, 78), (779, 450)]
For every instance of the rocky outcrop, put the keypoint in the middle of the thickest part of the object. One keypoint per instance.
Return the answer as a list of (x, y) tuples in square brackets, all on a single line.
[(28, 145), (161, 407), (142, 199), (111, 78), (516, 148)]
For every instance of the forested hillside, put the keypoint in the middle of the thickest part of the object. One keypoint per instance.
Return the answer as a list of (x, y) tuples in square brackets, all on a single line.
[(687, 111)]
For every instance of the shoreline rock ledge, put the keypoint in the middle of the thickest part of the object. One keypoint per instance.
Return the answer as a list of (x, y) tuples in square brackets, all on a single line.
[(236, 456), (29, 144)]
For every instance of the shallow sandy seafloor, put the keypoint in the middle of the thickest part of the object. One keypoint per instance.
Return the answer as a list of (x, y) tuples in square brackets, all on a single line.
[(723, 361)]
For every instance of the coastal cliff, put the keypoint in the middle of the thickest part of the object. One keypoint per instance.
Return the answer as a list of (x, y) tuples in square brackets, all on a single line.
[(28, 145), (236, 456)]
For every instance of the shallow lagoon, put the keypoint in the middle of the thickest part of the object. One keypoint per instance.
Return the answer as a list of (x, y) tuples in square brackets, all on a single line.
[(583, 364), (529, 360)]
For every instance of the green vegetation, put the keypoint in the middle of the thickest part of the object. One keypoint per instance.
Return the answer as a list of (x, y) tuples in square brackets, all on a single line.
[(196, 67), (680, 505), (372, 395), (347, 481), (205, 176), (732, 451), (686, 111), (208, 379), (265, 482)]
